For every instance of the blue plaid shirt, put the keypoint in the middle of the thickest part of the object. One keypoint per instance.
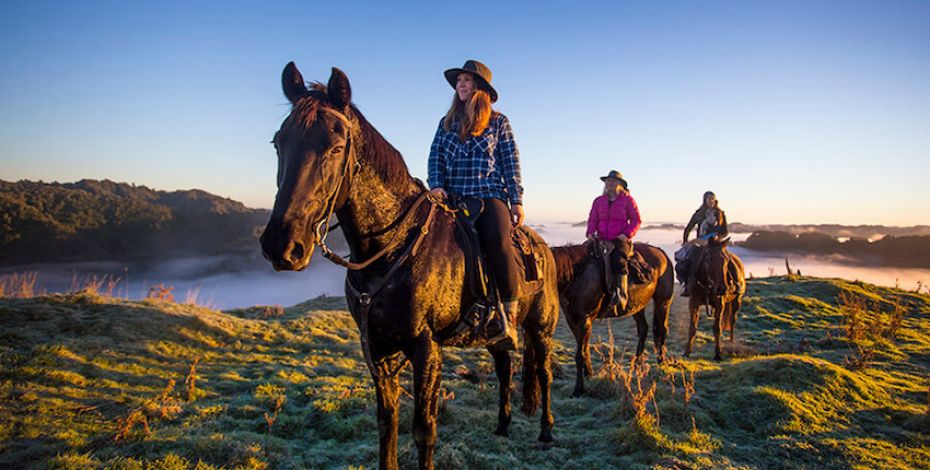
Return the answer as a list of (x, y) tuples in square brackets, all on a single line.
[(484, 166)]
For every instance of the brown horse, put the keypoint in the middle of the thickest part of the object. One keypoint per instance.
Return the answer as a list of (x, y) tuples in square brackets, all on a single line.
[(409, 289), (716, 281), (583, 294)]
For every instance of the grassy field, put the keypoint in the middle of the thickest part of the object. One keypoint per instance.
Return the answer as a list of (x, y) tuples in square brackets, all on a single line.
[(824, 373)]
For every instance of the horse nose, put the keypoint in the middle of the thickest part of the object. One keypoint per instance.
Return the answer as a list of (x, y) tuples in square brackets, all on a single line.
[(294, 252)]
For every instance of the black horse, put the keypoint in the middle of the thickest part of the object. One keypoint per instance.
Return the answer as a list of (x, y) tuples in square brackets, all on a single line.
[(405, 280), (717, 282), (583, 294)]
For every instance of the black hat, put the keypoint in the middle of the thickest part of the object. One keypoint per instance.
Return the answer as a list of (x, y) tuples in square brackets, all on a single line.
[(617, 176), (479, 70)]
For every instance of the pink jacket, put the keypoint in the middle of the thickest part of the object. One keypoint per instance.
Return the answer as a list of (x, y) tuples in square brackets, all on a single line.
[(611, 219)]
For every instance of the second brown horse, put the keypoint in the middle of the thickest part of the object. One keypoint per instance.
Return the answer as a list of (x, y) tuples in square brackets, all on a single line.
[(583, 294)]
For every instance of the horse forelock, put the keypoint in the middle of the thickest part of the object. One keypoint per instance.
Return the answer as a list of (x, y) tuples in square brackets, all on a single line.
[(304, 111)]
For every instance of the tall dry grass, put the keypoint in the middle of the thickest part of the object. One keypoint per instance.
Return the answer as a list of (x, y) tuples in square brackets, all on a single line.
[(18, 286)]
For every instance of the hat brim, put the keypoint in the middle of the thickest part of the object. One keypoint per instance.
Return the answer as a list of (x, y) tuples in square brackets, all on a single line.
[(452, 76), (621, 180)]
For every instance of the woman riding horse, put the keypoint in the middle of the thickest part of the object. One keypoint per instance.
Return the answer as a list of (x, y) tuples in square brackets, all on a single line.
[(474, 156), (615, 218), (711, 222)]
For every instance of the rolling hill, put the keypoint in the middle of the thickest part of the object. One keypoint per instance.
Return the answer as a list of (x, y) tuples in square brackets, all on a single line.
[(813, 381)]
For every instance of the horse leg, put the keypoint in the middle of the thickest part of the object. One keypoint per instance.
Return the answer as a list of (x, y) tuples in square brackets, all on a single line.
[(502, 365), (734, 308), (386, 392), (542, 344), (660, 309), (582, 356), (694, 309), (718, 313), (427, 372), (642, 330)]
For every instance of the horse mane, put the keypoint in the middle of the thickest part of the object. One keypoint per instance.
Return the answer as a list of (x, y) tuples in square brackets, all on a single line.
[(568, 259), (385, 159)]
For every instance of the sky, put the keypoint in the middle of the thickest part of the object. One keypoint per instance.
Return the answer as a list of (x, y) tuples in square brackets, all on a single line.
[(791, 111)]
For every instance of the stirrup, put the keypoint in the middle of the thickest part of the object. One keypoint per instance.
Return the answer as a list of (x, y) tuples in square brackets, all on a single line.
[(508, 335)]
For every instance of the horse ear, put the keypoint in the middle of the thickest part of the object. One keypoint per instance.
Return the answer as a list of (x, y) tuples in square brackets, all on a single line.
[(293, 83), (725, 241), (338, 89)]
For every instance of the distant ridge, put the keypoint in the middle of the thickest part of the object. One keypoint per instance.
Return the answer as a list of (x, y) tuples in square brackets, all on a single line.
[(833, 230), (93, 220)]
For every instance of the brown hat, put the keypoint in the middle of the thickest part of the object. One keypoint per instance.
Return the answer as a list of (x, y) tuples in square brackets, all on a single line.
[(481, 72), (614, 174)]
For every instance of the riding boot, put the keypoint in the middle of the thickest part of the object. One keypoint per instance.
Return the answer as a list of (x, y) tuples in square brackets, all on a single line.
[(621, 296), (508, 335)]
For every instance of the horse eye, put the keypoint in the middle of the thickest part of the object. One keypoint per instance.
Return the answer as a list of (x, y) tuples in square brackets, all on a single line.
[(337, 149)]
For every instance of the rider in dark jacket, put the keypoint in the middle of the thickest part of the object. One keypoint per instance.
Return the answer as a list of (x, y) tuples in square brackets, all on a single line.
[(711, 222)]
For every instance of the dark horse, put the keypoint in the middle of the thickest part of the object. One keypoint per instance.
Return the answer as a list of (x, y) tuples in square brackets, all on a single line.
[(715, 284), (583, 294), (405, 281)]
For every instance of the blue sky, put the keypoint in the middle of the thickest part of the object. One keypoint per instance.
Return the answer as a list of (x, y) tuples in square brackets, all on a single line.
[(792, 112)]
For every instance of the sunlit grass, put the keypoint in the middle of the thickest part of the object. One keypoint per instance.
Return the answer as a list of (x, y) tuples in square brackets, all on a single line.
[(83, 374)]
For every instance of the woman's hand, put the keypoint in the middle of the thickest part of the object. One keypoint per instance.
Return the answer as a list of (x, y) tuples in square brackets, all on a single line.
[(592, 237), (438, 193), (516, 215)]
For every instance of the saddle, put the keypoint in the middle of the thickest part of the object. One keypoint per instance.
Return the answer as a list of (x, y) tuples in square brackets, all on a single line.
[(638, 269), (527, 251)]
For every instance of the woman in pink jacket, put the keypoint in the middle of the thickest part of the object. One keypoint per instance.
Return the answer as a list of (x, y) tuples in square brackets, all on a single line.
[(614, 217)]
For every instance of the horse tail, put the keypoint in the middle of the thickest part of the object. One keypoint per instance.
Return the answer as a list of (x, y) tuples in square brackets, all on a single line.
[(531, 391)]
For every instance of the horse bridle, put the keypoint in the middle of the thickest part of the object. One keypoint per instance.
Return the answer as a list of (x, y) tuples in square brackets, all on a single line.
[(322, 228)]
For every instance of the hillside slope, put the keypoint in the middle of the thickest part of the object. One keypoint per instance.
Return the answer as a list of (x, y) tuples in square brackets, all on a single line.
[(288, 388), (102, 220)]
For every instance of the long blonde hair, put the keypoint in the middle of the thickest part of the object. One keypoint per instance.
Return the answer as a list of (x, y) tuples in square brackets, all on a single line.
[(473, 116)]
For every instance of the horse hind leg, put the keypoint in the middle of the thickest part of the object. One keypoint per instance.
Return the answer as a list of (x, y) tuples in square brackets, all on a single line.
[(427, 372), (734, 309), (642, 331), (694, 311), (502, 365), (718, 320), (543, 355), (660, 311), (582, 356)]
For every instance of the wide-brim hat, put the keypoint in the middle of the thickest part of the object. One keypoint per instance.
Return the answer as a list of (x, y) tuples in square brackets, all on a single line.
[(481, 72), (614, 174)]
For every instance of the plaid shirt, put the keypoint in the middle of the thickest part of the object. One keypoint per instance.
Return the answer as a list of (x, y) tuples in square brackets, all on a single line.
[(484, 166)]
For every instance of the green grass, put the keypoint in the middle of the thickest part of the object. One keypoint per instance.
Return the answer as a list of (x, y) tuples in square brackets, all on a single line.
[(74, 368)]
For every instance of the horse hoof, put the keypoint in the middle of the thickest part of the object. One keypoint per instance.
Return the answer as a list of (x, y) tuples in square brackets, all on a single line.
[(545, 445), (501, 432), (577, 393), (718, 358)]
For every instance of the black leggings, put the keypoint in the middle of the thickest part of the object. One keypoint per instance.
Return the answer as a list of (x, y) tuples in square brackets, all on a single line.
[(494, 231), (618, 257)]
